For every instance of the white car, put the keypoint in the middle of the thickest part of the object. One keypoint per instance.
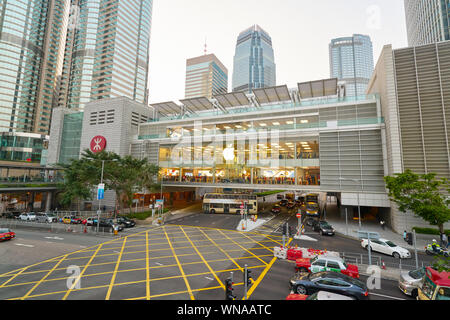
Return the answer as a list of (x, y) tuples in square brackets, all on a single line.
[(31, 216), (386, 247)]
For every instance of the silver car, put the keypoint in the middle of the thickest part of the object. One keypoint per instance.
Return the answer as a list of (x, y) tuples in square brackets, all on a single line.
[(410, 281)]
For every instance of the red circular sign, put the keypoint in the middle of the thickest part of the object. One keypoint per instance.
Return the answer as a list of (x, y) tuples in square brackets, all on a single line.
[(299, 215), (98, 144)]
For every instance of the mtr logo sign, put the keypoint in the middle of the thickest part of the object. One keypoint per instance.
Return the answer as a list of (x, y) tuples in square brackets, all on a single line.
[(98, 144)]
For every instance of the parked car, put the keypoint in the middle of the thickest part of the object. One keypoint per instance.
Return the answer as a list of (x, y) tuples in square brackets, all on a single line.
[(67, 220), (323, 227), (386, 247), (46, 217), (410, 281), (310, 283), (6, 234), (76, 220), (280, 196), (30, 216), (276, 209), (284, 202), (109, 224), (11, 215), (126, 222), (327, 263), (320, 295), (91, 221)]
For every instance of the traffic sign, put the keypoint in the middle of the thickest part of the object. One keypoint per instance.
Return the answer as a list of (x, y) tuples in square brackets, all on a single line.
[(299, 215)]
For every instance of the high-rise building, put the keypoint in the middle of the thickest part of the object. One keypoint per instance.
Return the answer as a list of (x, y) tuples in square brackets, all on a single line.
[(206, 76), (427, 21), (351, 61), (254, 61), (32, 41), (107, 52)]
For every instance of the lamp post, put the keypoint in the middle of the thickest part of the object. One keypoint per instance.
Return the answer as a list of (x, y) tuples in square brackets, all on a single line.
[(359, 207), (100, 200)]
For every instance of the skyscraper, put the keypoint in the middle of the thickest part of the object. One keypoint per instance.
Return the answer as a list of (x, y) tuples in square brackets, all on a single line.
[(254, 61), (107, 52), (351, 61), (32, 41), (427, 21), (206, 76)]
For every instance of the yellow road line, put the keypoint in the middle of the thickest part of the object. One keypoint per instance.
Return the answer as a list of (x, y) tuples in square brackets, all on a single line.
[(108, 295), (228, 256), (147, 271), (43, 279), (133, 282), (262, 275), (246, 249), (81, 274), (179, 266), (203, 259)]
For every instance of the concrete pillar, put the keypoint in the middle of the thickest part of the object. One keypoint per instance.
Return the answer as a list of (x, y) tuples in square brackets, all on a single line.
[(48, 203)]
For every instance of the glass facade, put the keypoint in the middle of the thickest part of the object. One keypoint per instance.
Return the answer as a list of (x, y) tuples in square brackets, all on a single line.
[(31, 57), (71, 137), (254, 61), (427, 21), (107, 52), (206, 76), (310, 144), (351, 61), (22, 147)]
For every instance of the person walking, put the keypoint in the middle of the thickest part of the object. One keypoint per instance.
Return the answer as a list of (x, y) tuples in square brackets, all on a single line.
[(404, 235), (382, 224), (444, 240)]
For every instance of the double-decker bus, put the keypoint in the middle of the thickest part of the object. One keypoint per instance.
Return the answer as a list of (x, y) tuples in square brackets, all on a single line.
[(230, 203)]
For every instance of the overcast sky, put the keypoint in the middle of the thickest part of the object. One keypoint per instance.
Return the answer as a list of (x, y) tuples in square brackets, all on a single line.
[(300, 29)]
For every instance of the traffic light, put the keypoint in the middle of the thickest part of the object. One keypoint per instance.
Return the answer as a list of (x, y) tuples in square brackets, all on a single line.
[(249, 278), (229, 290), (409, 238), (285, 231)]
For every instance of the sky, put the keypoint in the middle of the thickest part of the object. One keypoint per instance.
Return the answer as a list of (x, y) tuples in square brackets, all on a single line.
[(301, 31)]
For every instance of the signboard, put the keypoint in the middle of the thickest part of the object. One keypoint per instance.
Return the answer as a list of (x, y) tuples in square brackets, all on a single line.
[(98, 144), (159, 201), (101, 191)]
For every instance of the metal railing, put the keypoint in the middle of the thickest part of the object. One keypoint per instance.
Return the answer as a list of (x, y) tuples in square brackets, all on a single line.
[(363, 259)]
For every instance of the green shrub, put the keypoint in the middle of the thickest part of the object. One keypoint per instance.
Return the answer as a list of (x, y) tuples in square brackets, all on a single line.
[(430, 231), (143, 215), (268, 193)]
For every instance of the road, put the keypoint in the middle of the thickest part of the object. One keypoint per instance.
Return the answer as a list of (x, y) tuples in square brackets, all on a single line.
[(188, 258)]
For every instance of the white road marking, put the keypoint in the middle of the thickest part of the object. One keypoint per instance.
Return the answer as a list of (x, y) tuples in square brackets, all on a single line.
[(54, 238), (159, 264), (24, 245), (210, 279), (305, 238), (384, 296)]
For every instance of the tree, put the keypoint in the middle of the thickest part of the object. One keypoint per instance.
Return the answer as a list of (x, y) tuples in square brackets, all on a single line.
[(424, 195), (76, 186)]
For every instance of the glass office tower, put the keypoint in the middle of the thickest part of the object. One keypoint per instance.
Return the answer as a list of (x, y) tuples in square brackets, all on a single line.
[(254, 62), (206, 76), (351, 61), (427, 21), (107, 52), (32, 41)]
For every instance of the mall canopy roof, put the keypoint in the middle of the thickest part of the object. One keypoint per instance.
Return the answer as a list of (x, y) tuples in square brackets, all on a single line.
[(198, 104), (316, 89), (272, 94), (232, 99), (167, 108)]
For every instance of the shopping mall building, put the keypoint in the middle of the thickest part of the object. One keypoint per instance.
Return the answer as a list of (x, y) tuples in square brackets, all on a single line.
[(312, 138)]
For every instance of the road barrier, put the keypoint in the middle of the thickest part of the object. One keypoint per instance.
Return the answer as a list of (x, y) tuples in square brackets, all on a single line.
[(298, 253)]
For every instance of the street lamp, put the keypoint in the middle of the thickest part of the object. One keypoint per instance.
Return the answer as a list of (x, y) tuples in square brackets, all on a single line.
[(359, 207), (100, 200)]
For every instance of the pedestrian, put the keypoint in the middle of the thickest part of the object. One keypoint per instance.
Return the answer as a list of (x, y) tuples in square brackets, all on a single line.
[(382, 224), (444, 240), (404, 235)]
